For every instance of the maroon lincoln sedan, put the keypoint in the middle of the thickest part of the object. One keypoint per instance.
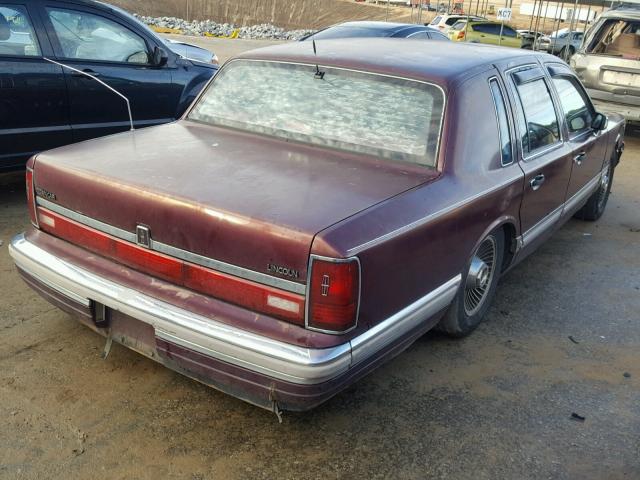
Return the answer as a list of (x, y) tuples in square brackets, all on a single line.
[(313, 215)]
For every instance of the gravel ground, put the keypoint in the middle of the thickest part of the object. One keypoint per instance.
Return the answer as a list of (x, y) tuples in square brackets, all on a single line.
[(496, 405)]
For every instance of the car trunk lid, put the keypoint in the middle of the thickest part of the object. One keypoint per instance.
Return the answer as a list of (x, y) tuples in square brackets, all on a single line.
[(243, 200)]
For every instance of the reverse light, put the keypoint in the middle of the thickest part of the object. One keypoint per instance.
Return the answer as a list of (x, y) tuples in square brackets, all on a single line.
[(334, 294), (31, 198)]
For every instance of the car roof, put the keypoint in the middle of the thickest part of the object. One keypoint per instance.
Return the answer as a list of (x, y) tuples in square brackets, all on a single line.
[(373, 25), (437, 62), (630, 11)]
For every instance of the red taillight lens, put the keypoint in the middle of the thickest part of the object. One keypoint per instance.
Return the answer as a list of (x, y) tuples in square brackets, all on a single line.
[(31, 198), (254, 296), (334, 295), (460, 35)]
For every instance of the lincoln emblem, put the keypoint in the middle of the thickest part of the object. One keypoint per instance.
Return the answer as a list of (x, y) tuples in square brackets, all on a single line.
[(143, 236)]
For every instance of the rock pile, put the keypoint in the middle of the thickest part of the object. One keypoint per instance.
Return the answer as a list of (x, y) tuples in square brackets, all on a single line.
[(204, 27)]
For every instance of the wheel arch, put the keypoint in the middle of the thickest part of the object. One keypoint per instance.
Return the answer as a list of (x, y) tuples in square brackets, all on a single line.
[(509, 225)]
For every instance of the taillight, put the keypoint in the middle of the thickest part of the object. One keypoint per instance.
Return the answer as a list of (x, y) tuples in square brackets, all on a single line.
[(460, 35), (254, 296), (334, 294), (31, 198)]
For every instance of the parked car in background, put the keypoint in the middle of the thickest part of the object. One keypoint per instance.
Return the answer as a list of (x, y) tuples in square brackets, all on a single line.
[(43, 105), (376, 29), (343, 224), (485, 32), (445, 22), (561, 42), (609, 62), (529, 37)]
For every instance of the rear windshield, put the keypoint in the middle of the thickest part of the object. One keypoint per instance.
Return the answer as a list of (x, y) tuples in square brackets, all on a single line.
[(392, 118), (616, 37), (351, 32), (459, 26)]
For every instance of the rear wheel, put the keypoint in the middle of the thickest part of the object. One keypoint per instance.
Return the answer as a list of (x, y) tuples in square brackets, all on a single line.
[(479, 282), (567, 54), (594, 208)]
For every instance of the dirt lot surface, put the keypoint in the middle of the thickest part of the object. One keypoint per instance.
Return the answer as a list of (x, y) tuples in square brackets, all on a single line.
[(496, 405)]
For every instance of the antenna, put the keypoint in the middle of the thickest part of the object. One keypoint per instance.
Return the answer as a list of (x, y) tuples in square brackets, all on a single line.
[(319, 75), (101, 83)]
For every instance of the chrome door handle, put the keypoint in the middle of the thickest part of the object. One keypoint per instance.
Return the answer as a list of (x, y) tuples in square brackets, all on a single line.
[(86, 70), (578, 159), (537, 181)]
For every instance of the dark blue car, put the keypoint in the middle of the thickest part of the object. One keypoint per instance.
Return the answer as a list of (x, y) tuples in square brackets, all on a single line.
[(44, 105)]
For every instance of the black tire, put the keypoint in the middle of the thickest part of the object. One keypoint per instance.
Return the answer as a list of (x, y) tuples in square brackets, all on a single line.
[(594, 208), (564, 50), (460, 320)]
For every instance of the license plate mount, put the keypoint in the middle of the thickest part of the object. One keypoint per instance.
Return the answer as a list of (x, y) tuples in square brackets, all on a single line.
[(101, 314)]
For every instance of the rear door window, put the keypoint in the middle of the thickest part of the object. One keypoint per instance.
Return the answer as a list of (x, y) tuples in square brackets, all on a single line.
[(488, 28), (509, 32), (541, 128), (85, 36), (17, 36), (506, 150)]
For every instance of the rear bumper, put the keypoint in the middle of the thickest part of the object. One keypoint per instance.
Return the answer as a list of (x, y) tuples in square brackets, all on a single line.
[(606, 102), (245, 364)]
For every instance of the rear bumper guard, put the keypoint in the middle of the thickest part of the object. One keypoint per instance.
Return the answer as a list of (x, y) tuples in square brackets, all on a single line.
[(215, 339)]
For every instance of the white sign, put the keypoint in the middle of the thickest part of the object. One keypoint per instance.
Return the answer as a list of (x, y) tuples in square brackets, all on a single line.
[(504, 14)]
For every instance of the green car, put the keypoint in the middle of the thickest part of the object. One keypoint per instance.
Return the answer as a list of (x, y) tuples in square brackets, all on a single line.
[(485, 32)]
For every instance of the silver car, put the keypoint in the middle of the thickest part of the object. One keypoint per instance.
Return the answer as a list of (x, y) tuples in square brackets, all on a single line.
[(561, 42), (609, 62)]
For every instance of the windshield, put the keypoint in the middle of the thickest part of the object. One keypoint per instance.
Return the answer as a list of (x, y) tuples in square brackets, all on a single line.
[(392, 118)]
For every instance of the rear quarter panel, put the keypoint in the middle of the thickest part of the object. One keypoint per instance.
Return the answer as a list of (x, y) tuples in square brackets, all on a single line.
[(414, 242)]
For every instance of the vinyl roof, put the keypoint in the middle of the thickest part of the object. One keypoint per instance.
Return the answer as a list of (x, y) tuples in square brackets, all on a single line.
[(438, 62)]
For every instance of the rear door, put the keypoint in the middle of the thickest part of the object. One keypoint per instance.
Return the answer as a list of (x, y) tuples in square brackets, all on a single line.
[(510, 37), (544, 157), (33, 93), (484, 33), (102, 44), (587, 148)]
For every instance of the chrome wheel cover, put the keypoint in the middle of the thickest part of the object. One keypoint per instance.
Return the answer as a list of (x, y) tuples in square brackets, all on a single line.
[(480, 276)]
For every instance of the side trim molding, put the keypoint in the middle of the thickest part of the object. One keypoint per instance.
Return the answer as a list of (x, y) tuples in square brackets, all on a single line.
[(176, 252), (394, 327)]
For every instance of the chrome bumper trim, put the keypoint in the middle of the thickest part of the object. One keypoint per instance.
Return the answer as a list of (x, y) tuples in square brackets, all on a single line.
[(381, 335), (176, 252), (292, 363)]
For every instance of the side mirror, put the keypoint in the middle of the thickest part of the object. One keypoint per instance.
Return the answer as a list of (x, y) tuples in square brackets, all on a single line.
[(159, 57), (599, 122)]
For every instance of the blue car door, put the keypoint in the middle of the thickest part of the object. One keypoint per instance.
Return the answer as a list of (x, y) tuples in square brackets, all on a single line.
[(119, 53), (34, 110)]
